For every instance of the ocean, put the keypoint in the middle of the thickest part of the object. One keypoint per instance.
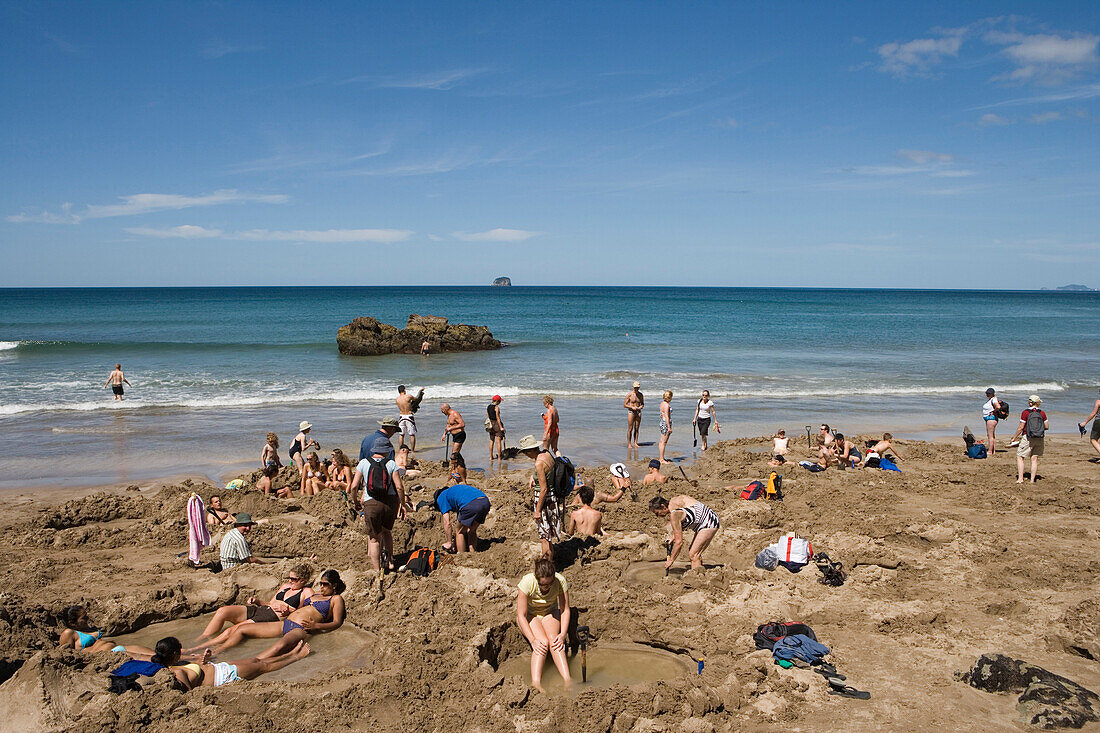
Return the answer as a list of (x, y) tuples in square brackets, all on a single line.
[(214, 369)]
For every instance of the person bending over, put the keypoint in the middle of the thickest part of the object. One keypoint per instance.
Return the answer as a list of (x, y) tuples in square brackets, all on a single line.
[(542, 614), (684, 512), (470, 507)]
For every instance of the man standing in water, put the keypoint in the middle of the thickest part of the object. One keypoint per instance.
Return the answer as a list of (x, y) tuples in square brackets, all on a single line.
[(115, 381), (634, 404), (456, 427), (406, 406)]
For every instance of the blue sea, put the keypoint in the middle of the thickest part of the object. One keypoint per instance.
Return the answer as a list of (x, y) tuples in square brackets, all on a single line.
[(214, 369)]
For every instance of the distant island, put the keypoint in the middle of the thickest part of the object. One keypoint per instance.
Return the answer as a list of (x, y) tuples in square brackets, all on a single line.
[(1074, 288), (504, 282)]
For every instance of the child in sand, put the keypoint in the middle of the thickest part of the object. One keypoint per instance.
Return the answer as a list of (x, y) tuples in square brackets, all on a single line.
[(876, 450), (542, 614), (269, 456), (620, 479), (586, 521), (654, 476), (780, 448)]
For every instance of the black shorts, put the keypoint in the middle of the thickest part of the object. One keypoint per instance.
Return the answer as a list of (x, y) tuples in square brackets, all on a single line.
[(117, 389), (260, 614), (704, 425), (459, 437), (1095, 434), (474, 511)]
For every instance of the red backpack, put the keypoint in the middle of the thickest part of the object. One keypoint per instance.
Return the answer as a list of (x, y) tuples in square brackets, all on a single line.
[(753, 491), (378, 479)]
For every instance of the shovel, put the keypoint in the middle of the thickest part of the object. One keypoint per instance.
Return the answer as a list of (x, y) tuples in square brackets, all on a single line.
[(808, 444), (447, 450), (694, 440), (582, 632)]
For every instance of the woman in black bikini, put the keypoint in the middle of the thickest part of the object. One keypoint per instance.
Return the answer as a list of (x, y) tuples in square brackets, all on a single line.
[(292, 595), (323, 611)]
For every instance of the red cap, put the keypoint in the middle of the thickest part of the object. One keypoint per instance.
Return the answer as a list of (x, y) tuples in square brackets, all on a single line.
[(496, 398)]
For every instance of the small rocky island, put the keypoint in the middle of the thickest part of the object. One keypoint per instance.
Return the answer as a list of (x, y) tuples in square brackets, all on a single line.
[(502, 282), (368, 337)]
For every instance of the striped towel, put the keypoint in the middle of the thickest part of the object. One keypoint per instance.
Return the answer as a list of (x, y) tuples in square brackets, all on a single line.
[(198, 536)]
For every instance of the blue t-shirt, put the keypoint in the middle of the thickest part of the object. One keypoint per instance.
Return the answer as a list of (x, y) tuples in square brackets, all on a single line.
[(455, 497), (367, 448)]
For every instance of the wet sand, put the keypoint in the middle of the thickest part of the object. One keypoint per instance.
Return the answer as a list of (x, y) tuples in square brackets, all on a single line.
[(948, 560)]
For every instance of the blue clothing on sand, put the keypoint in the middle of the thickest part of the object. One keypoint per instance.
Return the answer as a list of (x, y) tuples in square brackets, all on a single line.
[(136, 666), (887, 465), (801, 647), (455, 497)]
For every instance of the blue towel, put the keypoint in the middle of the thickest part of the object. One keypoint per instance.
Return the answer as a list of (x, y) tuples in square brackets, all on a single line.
[(801, 647), (136, 666), (887, 465)]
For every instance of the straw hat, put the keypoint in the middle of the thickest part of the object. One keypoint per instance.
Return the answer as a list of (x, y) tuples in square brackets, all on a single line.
[(1034, 400), (528, 443), (305, 425)]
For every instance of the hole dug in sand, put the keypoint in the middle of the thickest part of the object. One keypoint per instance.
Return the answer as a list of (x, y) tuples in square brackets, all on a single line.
[(347, 646), (646, 572)]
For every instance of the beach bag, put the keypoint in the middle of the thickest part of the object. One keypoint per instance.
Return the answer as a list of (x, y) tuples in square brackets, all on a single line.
[(1034, 427), (774, 488), (422, 561), (753, 491), (767, 634), (794, 549), (378, 479), (562, 477), (977, 451), (811, 466), (1001, 412)]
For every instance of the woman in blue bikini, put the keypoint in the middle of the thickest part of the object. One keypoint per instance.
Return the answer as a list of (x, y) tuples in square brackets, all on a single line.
[(80, 634), (323, 611)]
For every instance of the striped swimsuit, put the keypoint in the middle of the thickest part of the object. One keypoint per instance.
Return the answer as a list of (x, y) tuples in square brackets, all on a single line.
[(699, 517)]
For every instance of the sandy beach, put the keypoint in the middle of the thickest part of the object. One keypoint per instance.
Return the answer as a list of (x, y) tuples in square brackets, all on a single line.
[(948, 560)]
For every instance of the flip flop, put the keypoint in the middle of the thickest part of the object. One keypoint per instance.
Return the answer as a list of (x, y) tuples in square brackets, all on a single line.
[(829, 672), (847, 691)]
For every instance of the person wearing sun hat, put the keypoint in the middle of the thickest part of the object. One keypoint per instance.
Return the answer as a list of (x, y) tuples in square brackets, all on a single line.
[(494, 426), (302, 443), (620, 479), (547, 508), (234, 549), (634, 404), (387, 428)]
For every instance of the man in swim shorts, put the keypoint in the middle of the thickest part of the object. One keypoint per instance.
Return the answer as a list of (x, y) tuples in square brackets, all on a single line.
[(634, 404), (406, 406), (115, 380), (471, 507), (456, 428)]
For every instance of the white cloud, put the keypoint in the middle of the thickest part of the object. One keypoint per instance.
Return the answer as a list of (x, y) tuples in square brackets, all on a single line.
[(992, 120), (219, 48), (497, 235), (918, 56), (324, 236), (926, 156), (145, 203), (1044, 117), (1080, 93), (1046, 58), (435, 237), (437, 81), (186, 231)]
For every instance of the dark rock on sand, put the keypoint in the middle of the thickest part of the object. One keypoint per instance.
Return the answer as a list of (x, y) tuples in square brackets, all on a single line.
[(1048, 700), (368, 337)]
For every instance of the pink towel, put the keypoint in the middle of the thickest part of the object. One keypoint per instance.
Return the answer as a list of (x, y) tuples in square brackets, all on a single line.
[(198, 536)]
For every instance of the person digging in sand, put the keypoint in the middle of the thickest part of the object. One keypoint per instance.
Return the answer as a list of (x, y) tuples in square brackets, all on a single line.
[(780, 448), (542, 614), (470, 507), (620, 479), (684, 512), (206, 674)]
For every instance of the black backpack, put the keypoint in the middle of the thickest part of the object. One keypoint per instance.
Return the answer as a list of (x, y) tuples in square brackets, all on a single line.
[(767, 634), (422, 561), (1034, 427), (378, 479), (562, 478), (1001, 412)]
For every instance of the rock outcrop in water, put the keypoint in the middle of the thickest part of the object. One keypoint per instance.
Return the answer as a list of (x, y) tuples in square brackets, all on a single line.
[(368, 337), (502, 282)]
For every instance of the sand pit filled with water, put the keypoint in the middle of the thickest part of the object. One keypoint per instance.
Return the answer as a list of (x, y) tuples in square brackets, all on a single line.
[(946, 561)]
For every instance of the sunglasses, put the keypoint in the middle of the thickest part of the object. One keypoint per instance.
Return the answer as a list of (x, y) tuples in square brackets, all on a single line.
[(323, 582), (293, 579)]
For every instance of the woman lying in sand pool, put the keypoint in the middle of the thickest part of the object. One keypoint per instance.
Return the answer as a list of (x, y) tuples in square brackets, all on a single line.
[(205, 674), (323, 611), (684, 512), (80, 634), (292, 595), (542, 614)]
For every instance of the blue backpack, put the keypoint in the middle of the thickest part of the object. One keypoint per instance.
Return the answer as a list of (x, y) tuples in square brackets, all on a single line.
[(977, 451)]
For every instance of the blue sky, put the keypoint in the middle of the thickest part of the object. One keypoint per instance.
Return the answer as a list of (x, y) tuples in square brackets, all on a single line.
[(927, 144)]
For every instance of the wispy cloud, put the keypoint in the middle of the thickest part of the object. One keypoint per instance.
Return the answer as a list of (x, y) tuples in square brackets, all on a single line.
[(217, 49), (145, 203), (993, 120), (497, 235), (437, 81), (1044, 117), (917, 57), (1046, 58), (186, 231), (925, 156), (1075, 94), (319, 236), (62, 44), (921, 162)]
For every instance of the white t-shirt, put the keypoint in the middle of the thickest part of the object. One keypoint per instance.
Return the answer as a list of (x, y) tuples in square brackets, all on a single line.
[(363, 467), (705, 407), (987, 408)]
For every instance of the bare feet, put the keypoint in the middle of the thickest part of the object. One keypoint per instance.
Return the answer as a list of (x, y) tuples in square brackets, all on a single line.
[(301, 651), (206, 655)]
